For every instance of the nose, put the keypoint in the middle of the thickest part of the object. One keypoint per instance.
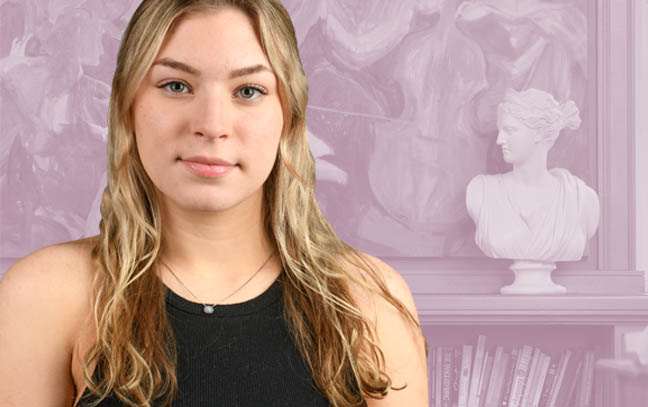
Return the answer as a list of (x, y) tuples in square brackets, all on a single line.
[(212, 116), (500, 138)]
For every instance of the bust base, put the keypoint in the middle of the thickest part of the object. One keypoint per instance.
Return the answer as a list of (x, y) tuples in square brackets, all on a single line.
[(532, 277)]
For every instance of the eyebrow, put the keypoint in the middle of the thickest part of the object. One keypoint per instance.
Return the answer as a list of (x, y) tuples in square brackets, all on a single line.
[(181, 66)]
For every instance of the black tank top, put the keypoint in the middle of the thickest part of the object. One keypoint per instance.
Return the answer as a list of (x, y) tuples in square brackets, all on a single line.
[(241, 355)]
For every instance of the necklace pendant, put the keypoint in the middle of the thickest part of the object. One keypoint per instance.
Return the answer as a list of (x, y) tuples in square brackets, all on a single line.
[(208, 309)]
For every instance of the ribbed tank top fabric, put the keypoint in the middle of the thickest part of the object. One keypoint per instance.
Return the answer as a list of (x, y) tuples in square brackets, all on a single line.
[(241, 355)]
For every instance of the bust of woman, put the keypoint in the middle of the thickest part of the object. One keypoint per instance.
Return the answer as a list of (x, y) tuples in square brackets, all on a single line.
[(532, 213)]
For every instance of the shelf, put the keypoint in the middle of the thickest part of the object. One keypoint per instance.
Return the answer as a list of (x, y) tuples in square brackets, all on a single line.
[(533, 309)]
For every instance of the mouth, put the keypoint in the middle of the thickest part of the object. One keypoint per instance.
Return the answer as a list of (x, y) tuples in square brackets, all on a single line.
[(208, 170), (201, 159)]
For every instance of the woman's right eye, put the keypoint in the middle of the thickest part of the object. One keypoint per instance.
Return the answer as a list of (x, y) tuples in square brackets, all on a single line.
[(174, 87)]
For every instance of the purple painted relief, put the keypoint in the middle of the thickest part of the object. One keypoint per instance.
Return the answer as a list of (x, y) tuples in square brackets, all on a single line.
[(404, 95), (401, 111), (56, 65)]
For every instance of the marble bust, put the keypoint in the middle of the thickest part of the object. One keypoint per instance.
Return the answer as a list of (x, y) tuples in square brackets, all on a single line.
[(531, 214)]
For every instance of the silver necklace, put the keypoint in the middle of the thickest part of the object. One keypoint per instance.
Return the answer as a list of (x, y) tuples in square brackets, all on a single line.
[(209, 308)]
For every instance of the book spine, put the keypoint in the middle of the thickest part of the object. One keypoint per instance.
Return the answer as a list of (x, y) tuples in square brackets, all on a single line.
[(510, 375), (507, 360), (456, 376), (476, 370), (464, 381), (548, 383), (588, 382), (486, 374), (544, 368), (446, 376), (431, 375), (558, 382), (531, 378), (438, 376), (521, 372), (496, 374), (570, 379), (573, 385)]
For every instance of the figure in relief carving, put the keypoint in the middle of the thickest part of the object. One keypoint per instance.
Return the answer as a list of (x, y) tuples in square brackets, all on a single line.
[(531, 214)]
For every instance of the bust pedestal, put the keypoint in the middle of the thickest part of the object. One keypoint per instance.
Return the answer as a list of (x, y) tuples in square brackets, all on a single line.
[(532, 277)]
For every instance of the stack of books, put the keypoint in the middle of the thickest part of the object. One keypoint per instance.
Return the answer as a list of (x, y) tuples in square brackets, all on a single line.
[(477, 375)]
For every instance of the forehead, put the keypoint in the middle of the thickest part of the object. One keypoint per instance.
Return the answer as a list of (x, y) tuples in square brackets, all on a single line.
[(214, 41), (505, 119)]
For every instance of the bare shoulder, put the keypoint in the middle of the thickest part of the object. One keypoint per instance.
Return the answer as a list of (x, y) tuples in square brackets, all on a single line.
[(51, 269), (394, 282), (44, 300), (401, 342)]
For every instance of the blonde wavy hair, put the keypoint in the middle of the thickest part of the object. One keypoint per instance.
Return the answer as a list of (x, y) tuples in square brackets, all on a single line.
[(134, 350)]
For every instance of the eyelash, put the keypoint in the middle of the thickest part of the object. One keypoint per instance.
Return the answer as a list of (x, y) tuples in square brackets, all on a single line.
[(258, 88)]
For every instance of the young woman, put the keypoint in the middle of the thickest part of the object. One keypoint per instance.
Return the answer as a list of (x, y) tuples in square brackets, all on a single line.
[(215, 279)]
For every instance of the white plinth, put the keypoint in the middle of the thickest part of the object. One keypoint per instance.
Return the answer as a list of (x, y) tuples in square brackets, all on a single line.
[(532, 277)]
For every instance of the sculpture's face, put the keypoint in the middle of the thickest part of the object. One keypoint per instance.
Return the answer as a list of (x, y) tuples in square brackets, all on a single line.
[(518, 142)]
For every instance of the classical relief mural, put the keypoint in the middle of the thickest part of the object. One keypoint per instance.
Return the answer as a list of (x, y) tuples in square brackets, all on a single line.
[(401, 112), (404, 95)]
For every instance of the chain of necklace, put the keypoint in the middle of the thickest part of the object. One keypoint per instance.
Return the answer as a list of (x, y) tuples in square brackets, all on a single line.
[(209, 308)]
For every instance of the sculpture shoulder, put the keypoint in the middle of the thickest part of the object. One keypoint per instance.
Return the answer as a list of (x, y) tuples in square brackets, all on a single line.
[(475, 192), (591, 209)]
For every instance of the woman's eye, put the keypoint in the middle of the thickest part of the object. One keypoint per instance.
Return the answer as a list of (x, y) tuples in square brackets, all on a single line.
[(174, 86), (249, 92)]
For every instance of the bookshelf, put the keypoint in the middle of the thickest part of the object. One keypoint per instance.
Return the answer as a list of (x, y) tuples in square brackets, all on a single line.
[(552, 324)]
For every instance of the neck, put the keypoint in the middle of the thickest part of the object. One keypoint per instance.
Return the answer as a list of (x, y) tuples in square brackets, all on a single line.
[(217, 246), (533, 171)]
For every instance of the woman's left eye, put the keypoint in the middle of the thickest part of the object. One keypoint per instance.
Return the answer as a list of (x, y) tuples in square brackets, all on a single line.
[(176, 83), (249, 92)]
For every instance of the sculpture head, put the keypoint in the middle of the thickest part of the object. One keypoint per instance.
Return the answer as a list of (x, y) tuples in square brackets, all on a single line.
[(529, 122)]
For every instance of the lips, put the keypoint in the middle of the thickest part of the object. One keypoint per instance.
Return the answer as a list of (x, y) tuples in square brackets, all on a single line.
[(208, 160)]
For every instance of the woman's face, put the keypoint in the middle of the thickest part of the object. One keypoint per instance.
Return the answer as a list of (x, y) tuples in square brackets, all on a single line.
[(210, 93), (517, 141)]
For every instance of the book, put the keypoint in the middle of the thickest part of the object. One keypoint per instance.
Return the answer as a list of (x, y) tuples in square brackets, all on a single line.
[(485, 378), (446, 375), (585, 399), (510, 375), (531, 379), (478, 360), (542, 375), (431, 375), (464, 381), (496, 377), (570, 379), (520, 377), (557, 382), (456, 375), (548, 383), (507, 360), (438, 379)]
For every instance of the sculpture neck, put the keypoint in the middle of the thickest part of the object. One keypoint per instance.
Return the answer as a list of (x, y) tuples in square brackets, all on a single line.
[(532, 171)]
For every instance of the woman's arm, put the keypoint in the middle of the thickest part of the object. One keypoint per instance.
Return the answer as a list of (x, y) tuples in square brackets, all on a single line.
[(41, 300)]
